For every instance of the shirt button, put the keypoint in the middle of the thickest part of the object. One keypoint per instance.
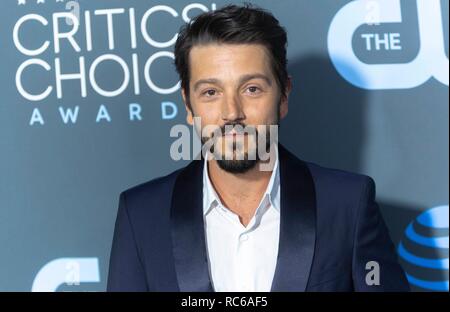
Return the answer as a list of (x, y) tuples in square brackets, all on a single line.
[(243, 238)]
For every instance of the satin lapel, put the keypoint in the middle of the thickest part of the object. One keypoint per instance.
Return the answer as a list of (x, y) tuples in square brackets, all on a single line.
[(187, 227), (297, 224)]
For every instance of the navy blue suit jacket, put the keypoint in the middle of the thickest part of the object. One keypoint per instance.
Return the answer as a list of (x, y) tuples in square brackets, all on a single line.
[(330, 228)]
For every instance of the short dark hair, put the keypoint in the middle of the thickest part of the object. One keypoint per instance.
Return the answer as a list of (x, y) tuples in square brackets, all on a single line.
[(234, 24)]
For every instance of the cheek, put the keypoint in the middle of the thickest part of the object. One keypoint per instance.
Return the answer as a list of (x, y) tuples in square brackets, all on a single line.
[(263, 114), (209, 114)]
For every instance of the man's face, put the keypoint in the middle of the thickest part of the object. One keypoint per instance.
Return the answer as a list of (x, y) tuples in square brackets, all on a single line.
[(233, 84)]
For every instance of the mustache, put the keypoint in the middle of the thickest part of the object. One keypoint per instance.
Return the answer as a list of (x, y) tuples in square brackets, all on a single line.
[(223, 130), (239, 127)]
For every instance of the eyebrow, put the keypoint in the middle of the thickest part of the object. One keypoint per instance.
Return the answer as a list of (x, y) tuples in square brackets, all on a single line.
[(243, 79)]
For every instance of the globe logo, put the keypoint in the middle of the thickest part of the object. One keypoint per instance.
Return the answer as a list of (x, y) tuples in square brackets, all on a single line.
[(424, 252)]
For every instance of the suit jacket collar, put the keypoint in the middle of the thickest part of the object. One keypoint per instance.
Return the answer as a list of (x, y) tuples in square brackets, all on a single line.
[(297, 227)]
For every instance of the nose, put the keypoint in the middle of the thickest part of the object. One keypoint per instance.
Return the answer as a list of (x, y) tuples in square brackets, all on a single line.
[(232, 109)]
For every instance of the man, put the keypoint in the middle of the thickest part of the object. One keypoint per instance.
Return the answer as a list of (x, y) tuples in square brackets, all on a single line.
[(228, 223)]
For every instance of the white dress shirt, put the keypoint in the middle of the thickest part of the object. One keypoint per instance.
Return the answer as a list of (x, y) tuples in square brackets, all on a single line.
[(242, 258)]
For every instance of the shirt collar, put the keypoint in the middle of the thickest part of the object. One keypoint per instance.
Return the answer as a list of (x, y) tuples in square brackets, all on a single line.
[(211, 199)]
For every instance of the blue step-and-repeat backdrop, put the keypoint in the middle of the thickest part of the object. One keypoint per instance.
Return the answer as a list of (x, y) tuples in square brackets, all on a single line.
[(89, 94)]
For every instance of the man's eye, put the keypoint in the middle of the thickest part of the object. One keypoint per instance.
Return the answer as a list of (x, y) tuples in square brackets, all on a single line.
[(210, 92), (253, 89)]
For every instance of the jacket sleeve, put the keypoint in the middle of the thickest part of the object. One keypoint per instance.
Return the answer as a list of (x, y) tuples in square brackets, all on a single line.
[(126, 272), (375, 263)]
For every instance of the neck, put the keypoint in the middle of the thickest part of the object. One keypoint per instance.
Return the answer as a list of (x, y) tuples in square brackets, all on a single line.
[(241, 193)]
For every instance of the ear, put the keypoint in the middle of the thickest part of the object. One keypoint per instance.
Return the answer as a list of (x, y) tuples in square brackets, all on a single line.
[(284, 99), (189, 116)]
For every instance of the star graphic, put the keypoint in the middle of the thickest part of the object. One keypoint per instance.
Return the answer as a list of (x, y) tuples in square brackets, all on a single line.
[(21, 2), (40, 1)]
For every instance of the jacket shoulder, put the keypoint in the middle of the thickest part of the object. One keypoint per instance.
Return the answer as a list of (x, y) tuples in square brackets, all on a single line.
[(325, 176), (338, 178), (340, 188), (156, 192)]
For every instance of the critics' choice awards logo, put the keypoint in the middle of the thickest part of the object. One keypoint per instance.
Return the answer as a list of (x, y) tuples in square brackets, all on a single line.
[(424, 252), (61, 50), (374, 25)]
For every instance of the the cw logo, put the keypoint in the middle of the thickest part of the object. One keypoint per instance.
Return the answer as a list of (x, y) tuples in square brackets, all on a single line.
[(66, 271), (430, 61)]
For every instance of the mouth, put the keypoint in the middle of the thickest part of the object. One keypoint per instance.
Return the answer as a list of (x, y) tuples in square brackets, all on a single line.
[(233, 133)]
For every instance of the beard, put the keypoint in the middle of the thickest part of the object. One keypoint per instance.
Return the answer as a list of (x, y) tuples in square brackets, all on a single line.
[(237, 165), (242, 159)]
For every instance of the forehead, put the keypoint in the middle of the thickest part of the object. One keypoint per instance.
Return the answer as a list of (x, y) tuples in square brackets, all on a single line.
[(219, 60)]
